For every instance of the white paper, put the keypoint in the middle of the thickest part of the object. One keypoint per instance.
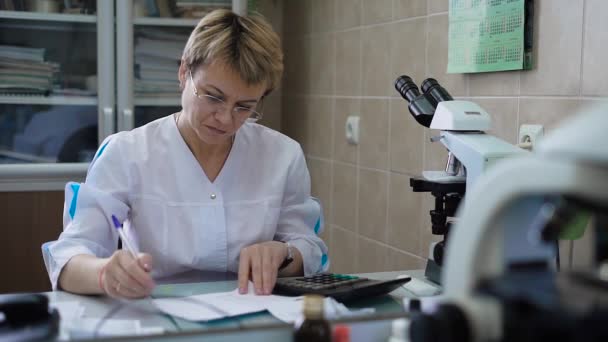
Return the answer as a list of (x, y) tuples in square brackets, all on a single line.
[(291, 312), (212, 306), (69, 313), (85, 328)]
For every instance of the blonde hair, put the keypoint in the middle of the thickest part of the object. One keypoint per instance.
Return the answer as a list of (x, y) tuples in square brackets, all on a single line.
[(247, 44)]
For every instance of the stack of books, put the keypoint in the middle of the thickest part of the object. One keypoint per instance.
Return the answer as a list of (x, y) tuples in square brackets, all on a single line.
[(23, 71), (157, 58)]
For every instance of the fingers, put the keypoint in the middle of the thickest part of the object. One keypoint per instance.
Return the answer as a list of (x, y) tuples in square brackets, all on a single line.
[(260, 264), (243, 271), (134, 268), (269, 271), (125, 277), (256, 270), (145, 261)]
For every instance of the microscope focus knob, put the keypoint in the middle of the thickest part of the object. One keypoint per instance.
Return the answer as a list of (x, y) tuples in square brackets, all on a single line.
[(447, 324), (438, 252)]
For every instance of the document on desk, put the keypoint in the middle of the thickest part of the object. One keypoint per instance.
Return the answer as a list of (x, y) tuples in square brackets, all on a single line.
[(211, 306)]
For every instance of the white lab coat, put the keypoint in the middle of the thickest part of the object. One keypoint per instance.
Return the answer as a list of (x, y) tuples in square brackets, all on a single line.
[(149, 178)]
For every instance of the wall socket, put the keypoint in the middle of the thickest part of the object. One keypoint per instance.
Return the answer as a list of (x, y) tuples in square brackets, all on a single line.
[(530, 134)]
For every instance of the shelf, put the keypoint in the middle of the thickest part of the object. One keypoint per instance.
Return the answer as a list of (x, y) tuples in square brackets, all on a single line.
[(158, 101), (175, 22), (60, 17), (48, 100)]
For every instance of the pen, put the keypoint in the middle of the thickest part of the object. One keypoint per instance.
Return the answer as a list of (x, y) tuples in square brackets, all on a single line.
[(123, 237)]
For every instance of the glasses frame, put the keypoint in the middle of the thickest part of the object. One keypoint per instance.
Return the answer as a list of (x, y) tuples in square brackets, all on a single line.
[(218, 103)]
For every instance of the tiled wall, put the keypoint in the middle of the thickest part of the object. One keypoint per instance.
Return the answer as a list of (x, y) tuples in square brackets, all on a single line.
[(342, 57)]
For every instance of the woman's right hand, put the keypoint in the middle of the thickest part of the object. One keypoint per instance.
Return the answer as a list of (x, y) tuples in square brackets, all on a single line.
[(126, 277)]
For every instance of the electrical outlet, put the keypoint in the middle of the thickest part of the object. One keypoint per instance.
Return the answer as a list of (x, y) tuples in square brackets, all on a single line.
[(530, 134)]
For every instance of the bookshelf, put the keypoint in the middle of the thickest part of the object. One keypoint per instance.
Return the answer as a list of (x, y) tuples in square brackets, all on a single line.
[(55, 17), (48, 100), (158, 101), (170, 22)]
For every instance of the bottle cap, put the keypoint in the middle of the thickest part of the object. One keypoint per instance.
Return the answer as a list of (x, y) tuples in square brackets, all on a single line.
[(341, 333), (313, 307)]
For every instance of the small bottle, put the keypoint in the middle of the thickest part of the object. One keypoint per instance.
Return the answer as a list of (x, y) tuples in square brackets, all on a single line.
[(314, 328)]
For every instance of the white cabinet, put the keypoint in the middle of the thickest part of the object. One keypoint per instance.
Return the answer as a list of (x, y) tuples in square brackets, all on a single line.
[(68, 80)]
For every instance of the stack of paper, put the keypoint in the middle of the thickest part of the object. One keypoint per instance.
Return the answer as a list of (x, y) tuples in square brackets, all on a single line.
[(212, 306), (24, 71), (157, 58)]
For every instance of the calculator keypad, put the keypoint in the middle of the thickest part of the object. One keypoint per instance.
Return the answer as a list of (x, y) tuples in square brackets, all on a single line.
[(323, 281)]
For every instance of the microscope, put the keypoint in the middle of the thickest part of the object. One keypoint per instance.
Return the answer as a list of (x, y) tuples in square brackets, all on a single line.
[(529, 200), (471, 151)]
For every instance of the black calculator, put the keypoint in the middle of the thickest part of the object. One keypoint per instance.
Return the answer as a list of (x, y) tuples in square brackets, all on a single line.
[(341, 287)]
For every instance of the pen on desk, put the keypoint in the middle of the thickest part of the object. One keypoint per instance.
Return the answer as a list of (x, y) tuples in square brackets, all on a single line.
[(123, 237)]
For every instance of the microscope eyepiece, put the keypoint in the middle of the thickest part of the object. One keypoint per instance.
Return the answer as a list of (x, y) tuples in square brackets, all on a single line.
[(437, 92), (407, 88)]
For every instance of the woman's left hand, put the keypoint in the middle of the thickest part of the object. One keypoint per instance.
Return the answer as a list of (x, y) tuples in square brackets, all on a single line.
[(261, 262)]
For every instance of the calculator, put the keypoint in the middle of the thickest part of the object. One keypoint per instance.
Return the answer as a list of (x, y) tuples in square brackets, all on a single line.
[(341, 287)]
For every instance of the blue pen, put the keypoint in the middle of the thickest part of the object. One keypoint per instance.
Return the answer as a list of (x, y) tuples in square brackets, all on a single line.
[(123, 237)]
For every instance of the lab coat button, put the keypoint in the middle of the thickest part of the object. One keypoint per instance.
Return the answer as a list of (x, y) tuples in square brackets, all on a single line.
[(213, 196)]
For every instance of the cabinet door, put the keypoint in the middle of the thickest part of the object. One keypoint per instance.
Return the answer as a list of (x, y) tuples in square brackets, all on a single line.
[(56, 78), (151, 36)]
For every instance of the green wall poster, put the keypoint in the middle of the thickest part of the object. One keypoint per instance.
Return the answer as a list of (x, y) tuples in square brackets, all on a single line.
[(489, 35)]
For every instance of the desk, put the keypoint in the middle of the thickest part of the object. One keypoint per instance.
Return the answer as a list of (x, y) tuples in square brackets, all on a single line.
[(143, 310)]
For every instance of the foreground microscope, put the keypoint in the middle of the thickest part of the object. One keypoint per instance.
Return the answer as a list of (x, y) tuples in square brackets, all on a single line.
[(530, 199), (471, 152)]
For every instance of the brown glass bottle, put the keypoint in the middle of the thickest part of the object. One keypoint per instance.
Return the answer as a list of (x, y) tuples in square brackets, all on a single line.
[(314, 328)]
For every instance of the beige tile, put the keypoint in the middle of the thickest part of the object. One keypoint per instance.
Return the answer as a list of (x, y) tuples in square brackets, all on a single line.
[(504, 116), (407, 139), (377, 11), (322, 64), (436, 6), (344, 151), (399, 261), (274, 12), (372, 204), (408, 55), (372, 256), (347, 14), (295, 118), (373, 130), (320, 118), (595, 51), (297, 65), (320, 178), (404, 211), (323, 15), (376, 60), (272, 110), (348, 63), (343, 251), (437, 57), (504, 83), (435, 153), (558, 28), (344, 196), (298, 15), (409, 8), (548, 112)]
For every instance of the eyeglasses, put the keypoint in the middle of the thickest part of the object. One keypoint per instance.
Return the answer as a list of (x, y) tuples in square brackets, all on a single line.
[(216, 104)]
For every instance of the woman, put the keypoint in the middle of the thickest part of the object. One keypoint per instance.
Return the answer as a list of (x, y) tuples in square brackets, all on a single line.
[(204, 188)]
